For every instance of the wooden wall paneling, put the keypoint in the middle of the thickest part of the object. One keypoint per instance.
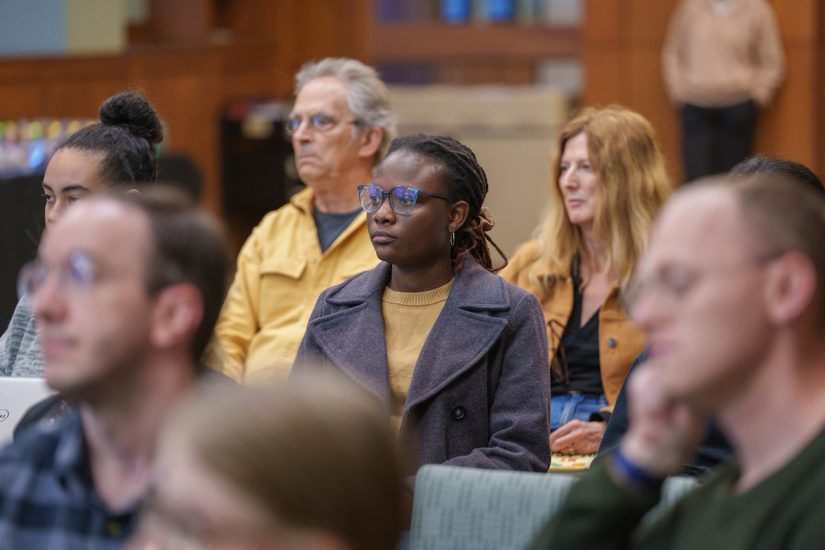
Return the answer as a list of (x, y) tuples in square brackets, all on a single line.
[(646, 94), (185, 89), (363, 29), (646, 22), (456, 43), (600, 52), (643, 86), (255, 21), (602, 75), (796, 19), (323, 28), (287, 40), (787, 127), (80, 98), (21, 99), (191, 131), (76, 88), (472, 72), (182, 21), (602, 21), (304, 30), (253, 85)]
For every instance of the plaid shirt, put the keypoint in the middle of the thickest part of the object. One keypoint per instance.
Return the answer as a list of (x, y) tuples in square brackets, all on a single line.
[(47, 497)]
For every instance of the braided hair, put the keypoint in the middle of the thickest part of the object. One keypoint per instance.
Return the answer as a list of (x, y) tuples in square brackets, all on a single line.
[(126, 136), (466, 181)]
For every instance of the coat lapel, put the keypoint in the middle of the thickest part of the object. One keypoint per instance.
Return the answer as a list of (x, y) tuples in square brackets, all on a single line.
[(463, 333), (353, 338)]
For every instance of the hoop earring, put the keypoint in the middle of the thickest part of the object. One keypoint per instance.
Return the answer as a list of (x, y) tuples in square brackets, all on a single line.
[(452, 240)]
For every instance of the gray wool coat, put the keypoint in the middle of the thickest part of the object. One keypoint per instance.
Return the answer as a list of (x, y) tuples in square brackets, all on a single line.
[(481, 386)]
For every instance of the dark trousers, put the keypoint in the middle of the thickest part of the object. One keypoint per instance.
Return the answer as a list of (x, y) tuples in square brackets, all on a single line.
[(715, 139)]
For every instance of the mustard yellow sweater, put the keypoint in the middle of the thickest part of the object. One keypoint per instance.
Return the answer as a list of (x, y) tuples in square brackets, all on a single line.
[(408, 319)]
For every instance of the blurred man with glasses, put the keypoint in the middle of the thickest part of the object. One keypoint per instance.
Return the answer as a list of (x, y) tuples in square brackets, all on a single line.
[(341, 125), (126, 290), (734, 326)]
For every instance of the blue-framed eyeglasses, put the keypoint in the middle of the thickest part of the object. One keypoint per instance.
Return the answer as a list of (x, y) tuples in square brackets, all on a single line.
[(78, 273), (402, 198), (319, 122)]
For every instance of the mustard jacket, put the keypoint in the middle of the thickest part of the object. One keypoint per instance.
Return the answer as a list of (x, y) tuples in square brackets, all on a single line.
[(281, 271), (620, 341)]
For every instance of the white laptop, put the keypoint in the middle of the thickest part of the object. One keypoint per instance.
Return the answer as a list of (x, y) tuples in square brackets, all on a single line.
[(16, 396)]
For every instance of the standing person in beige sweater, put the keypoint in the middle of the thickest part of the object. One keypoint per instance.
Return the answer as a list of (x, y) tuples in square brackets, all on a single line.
[(722, 61)]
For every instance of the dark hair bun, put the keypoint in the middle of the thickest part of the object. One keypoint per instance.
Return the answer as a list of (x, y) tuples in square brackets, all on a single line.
[(132, 112)]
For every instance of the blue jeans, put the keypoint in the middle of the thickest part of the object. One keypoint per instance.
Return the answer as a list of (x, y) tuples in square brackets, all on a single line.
[(574, 406)]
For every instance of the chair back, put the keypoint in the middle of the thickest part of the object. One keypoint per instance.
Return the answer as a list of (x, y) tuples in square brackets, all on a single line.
[(456, 508)]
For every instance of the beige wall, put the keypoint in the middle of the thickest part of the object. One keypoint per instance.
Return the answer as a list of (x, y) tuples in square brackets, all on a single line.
[(512, 131), (97, 26)]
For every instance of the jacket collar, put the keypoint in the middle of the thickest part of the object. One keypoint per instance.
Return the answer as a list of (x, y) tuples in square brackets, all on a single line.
[(462, 335), (470, 292), (303, 199)]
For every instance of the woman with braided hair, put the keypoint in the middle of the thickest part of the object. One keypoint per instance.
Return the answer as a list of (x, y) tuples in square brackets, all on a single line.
[(609, 181), (458, 355)]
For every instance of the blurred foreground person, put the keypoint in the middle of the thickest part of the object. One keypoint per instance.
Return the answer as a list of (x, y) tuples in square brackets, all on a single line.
[(735, 329), (310, 464), (126, 290), (715, 448)]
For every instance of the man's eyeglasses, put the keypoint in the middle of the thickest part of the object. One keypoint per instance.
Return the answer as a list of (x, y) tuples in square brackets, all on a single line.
[(318, 123), (78, 273), (675, 282), (402, 198)]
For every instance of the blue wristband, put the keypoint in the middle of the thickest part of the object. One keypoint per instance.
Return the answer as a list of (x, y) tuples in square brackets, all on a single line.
[(635, 475)]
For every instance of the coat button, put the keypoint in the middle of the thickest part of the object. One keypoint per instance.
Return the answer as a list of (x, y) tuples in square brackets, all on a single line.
[(611, 342), (459, 413)]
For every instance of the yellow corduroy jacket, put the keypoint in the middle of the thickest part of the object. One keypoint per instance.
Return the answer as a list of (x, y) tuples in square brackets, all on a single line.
[(281, 271), (620, 341)]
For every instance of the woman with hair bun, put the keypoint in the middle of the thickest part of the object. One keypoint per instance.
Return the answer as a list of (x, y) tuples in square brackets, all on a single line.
[(117, 151), (458, 355)]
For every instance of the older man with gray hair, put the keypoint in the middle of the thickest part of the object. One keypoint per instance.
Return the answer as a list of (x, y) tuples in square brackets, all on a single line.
[(341, 125)]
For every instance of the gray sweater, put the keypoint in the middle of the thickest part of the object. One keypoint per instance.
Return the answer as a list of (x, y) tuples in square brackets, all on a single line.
[(20, 353)]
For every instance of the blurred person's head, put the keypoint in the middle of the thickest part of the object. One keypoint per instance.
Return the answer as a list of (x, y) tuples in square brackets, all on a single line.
[(126, 282), (608, 182), (426, 204), (117, 151), (763, 164), (341, 120), (740, 270), (310, 464)]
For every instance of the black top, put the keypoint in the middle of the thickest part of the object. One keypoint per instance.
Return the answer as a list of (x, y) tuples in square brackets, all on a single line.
[(578, 352), (331, 225)]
